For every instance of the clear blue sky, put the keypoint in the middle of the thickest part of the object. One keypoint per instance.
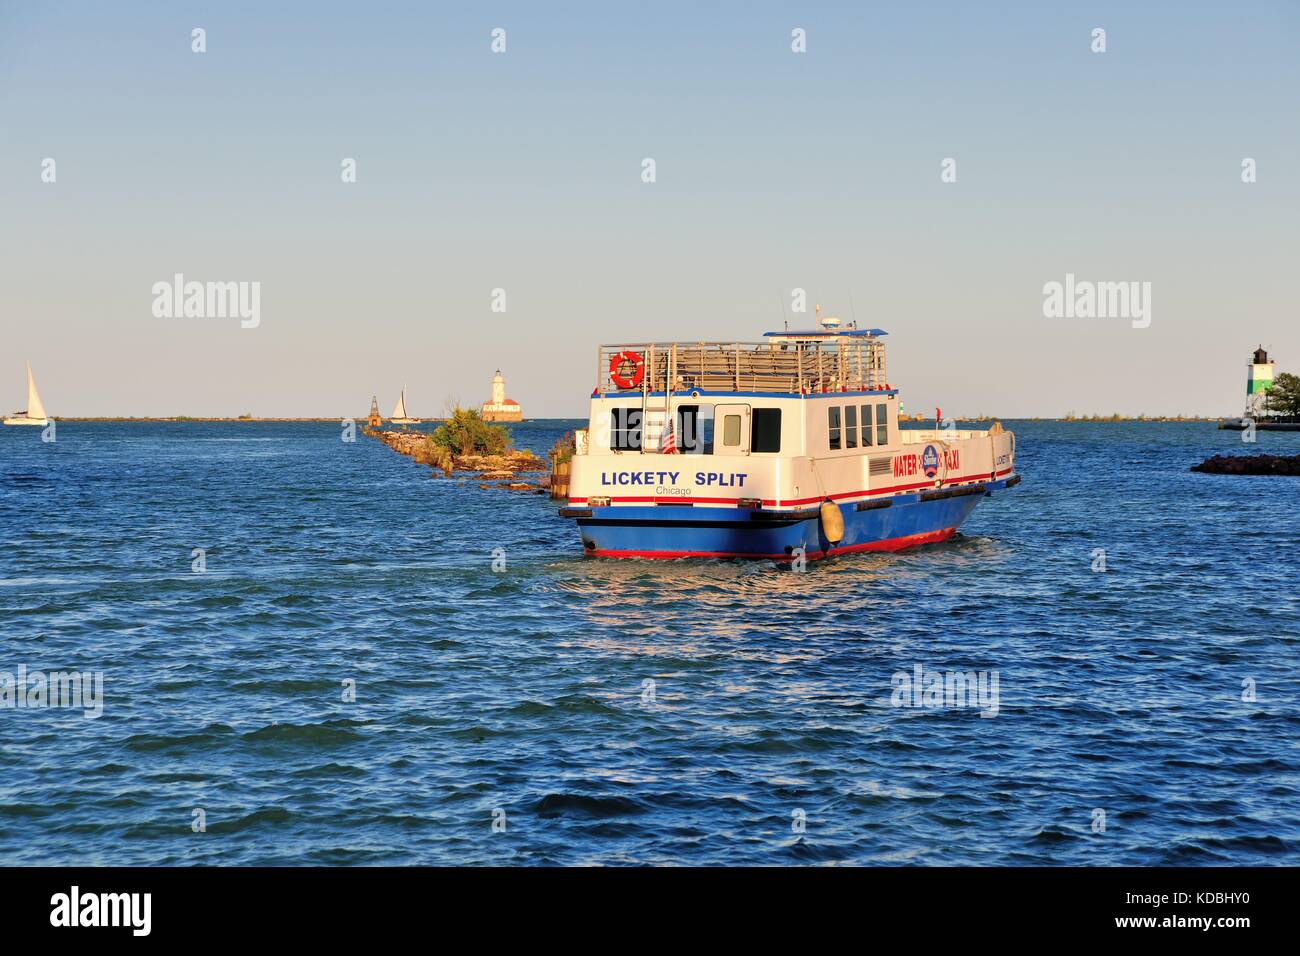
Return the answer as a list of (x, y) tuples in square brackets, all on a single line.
[(522, 171)]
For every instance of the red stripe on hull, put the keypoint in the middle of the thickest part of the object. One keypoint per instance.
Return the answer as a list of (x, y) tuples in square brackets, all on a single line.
[(889, 544), (957, 482), (898, 544)]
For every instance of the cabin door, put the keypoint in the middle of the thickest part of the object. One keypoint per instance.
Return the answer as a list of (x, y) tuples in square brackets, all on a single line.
[(731, 430)]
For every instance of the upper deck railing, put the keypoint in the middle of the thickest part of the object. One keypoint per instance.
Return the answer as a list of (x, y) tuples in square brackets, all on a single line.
[(788, 362)]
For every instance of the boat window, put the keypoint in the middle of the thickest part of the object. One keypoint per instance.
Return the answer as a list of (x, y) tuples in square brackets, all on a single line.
[(731, 431), (882, 425), (850, 426), (765, 430), (833, 422), (625, 429), (695, 429), (706, 434), (866, 426)]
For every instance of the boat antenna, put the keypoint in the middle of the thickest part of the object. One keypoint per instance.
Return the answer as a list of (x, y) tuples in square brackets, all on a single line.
[(783, 315), (853, 310)]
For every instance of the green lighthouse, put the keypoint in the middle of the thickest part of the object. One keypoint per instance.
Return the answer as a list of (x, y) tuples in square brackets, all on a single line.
[(1260, 378)]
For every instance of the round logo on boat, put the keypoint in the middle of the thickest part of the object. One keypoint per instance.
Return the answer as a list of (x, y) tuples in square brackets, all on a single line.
[(930, 461)]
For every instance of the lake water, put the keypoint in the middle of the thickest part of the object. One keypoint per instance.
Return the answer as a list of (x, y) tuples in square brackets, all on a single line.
[(770, 733)]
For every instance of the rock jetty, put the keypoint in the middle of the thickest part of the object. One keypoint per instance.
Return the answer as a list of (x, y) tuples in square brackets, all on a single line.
[(1250, 465), (516, 469)]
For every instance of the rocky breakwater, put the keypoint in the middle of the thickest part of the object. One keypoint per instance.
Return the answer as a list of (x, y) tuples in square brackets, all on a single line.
[(1250, 465), (515, 469)]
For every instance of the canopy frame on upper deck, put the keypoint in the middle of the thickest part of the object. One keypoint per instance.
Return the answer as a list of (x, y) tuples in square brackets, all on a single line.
[(789, 363)]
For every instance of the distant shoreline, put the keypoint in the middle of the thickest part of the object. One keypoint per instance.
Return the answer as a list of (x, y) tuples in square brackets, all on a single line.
[(196, 418), (906, 419)]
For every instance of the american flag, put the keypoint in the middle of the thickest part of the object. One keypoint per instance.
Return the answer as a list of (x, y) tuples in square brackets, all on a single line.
[(668, 440)]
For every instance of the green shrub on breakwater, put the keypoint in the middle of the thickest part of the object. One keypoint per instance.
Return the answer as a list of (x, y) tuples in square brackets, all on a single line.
[(465, 433)]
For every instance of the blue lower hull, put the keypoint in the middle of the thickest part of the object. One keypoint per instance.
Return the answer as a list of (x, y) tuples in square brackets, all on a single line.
[(665, 531)]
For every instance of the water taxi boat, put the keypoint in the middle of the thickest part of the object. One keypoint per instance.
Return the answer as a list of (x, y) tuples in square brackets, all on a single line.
[(783, 449)]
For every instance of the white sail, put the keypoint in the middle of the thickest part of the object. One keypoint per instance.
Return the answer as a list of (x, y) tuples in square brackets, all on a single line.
[(399, 410), (34, 407)]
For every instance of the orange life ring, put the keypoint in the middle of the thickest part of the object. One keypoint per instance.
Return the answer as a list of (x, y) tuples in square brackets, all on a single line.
[(638, 369)]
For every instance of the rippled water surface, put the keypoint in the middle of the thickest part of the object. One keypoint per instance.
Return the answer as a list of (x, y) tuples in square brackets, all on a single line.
[(523, 693)]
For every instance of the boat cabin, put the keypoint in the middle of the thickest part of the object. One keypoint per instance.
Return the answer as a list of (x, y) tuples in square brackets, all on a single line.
[(795, 394)]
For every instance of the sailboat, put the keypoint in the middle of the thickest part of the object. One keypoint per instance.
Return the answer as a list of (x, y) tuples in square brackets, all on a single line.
[(399, 416), (35, 412)]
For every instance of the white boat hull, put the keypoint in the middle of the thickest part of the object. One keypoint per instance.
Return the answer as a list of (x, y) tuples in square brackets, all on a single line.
[(24, 420)]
